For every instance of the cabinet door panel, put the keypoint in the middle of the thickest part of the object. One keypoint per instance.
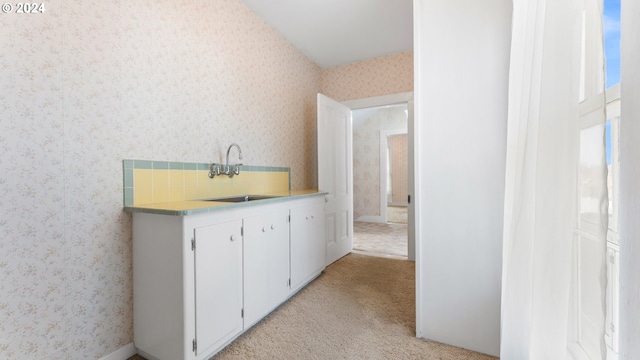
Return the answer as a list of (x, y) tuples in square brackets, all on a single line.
[(278, 258), (218, 284), (317, 237), (308, 249), (266, 264), (256, 276)]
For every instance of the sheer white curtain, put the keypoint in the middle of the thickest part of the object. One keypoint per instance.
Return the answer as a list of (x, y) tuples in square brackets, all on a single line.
[(540, 256)]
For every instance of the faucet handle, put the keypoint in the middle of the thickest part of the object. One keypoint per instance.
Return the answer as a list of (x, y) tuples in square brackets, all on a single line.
[(236, 169), (214, 169)]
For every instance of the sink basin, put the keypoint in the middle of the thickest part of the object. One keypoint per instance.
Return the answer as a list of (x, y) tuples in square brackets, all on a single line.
[(242, 198)]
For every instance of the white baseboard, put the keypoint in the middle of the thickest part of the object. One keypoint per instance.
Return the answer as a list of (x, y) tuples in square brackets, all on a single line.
[(371, 219), (123, 353)]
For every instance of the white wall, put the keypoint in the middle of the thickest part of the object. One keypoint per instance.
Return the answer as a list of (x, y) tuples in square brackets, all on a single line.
[(461, 78), (629, 340)]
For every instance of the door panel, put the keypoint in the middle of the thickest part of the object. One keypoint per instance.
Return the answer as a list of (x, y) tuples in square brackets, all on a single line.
[(256, 276), (307, 243), (343, 228), (331, 233), (266, 264), (279, 258), (335, 174), (218, 284)]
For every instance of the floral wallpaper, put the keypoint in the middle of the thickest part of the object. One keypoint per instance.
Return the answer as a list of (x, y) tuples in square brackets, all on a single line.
[(399, 168), (366, 155), (86, 84), (391, 74)]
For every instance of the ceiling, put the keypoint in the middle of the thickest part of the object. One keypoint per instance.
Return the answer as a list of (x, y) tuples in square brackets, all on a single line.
[(338, 32)]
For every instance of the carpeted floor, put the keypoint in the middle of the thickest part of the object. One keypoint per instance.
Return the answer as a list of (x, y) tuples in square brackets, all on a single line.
[(383, 239), (361, 307), (397, 214)]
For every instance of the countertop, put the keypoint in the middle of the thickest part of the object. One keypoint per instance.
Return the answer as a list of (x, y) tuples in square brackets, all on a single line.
[(191, 207)]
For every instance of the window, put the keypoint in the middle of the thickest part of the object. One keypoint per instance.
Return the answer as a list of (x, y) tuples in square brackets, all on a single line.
[(611, 17), (611, 23), (598, 95)]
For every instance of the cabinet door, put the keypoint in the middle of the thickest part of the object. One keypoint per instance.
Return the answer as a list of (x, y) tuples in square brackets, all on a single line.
[(308, 248), (266, 264), (278, 256), (256, 278), (218, 284)]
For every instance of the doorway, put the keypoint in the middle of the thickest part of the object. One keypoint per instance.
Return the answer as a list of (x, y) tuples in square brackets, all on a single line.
[(381, 180), (395, 157)]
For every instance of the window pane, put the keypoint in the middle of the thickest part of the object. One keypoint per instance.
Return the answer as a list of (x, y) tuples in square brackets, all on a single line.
[(592, 176), (611, 19)]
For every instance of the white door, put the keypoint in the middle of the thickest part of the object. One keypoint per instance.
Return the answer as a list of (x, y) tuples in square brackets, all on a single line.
[(308, 246), (266, 264), (335, 175), (255, 270), (218, 284)]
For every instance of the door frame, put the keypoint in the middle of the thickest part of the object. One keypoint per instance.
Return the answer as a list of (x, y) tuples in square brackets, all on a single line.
[(384, 151), (392, 99)]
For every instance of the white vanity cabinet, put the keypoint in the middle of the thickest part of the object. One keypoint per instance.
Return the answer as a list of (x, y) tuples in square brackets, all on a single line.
[(201, 280), (187, 283)]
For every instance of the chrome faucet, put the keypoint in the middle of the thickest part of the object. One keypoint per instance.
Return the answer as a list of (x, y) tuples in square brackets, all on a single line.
[(232, 169), (214, 169)]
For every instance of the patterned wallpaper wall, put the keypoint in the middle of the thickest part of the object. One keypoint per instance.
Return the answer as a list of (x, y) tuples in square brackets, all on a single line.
[(391, 74), (87, 84), (399, 172), (366, 156)]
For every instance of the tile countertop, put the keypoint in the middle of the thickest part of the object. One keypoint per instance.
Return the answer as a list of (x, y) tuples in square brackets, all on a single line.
[(191, 207)]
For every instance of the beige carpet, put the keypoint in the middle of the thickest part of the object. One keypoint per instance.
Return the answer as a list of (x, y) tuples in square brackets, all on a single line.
[(383, 239), (361, 307), (397, 214)]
